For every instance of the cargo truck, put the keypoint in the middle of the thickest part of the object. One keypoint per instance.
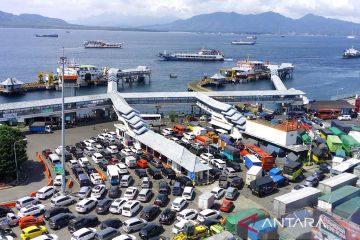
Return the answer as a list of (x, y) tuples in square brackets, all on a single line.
[(262, 186), (253, 173), (292, 201), (336, 182), (40, 127), (231, 153), (292, 170), (251, 160), (206, 200), (333, 199)]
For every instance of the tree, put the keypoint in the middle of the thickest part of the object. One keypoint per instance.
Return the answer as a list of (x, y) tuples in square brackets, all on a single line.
[(172, 116), (9, 136)]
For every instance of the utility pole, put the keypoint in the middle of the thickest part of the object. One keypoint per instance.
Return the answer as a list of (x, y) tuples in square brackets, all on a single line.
[(63, 61)]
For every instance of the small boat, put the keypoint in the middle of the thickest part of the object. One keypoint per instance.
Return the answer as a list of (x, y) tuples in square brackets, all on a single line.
[(351, 37), (173, 75), (47, 35), (351, 53), (244, 42)]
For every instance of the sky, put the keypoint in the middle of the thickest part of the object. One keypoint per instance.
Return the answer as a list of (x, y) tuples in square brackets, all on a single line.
[(72, 10)]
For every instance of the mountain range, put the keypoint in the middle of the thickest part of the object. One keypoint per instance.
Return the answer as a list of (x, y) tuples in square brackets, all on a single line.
[(267, 22)]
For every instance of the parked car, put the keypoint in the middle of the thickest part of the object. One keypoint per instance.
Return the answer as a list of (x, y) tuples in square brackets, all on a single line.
[(83, 234), (178, 204), (206, 214), (161, 200), (108, 233), (188, 193), (114, 192), (122, 168), (218, 192), (116, 205), (130, 193), (344, 118), (231, 193), (167, 216), (145, 195), (84, 192), (185, 181), (168, 173), (83, 162), (4, 211), (150, 231), (45, 192), (311, 181), (237, 182), (227, 206), (33, 231), (179, 226), (98, 191), (167, 131), (32, 210), (187, 214), (234, 165), (130, 208), (206, 157), (103, 206), (111, 222), (177, 189), (133, 225), (164, 188), (55, 211), (140, 173), (218, 163), (215, 173), (86, 205), (155, 163), (142, 163), (145, 182), (230, 172), (26, 201), (83, 222), (319, 174), (150, 212), (96, 179), (61, 220), (154, 173), (29, 221)]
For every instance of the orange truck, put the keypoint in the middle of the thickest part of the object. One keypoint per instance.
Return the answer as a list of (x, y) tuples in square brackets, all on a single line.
[(179, 129), (203, 140)]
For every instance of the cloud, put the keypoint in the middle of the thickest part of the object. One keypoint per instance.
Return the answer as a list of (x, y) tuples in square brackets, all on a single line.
[(75, 9)]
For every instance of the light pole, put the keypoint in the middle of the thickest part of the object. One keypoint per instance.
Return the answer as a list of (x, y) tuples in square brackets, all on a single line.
[(63, 61), (16, 164)]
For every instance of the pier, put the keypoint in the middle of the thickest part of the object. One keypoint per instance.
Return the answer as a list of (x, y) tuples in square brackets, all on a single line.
[(138, 74)]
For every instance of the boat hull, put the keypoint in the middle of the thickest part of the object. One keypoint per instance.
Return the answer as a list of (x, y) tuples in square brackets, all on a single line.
[(242, 43), (172, 58)]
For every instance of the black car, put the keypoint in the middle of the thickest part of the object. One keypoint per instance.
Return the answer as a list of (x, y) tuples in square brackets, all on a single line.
[(80, 145), (103, 206), (60, 220), (237, 182), (235, 165), (161, 200), (51, 212), (154, 173), (151, 230), (78, 153), (150, 212), (164, 188), (325, 168), (140, 172), (168, 173), (185, 181), (111, 222), (83, 221), (70, 148), (89, 169), (5, 210), (114, 192), (319, 174), (106, 154), (215, 173), (209, 222), (77, 171), (155, 163), (167, 216), (103, 165)]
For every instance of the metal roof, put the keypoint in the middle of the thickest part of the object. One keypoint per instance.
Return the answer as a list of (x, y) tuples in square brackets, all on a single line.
[(11, 81), (299, 194), (339, 194), (333, 181)]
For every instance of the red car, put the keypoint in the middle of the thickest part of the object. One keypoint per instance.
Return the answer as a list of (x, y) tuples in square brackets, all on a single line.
[(46, 153), (227, 206), (142, 163), (30, 221), (113, 161)]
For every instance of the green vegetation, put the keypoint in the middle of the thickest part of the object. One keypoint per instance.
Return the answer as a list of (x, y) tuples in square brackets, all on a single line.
[(173, 116), (8, 138)]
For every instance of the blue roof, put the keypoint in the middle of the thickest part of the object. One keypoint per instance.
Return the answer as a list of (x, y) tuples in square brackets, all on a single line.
[(275, 171)]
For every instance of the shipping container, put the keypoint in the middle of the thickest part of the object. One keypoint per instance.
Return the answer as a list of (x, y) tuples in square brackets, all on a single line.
[(348, 208), (349, 143), (336, 131), (251, 160), (279, 180), (336, 182), (334, 143), (262, 186), (331, 200), (340, 153), (267, 160), (264, 229), (340, 125), (274, 150), (253, 173), (292, 201)]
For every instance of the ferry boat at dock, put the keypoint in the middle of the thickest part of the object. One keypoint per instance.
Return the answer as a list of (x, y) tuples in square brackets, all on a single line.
[(246, 70), (101, 44), (82, 75), (47, 35), (209, 55), (351, 53)]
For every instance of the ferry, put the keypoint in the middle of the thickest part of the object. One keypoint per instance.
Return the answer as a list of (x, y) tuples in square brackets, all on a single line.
[(246, 69), (202, 55), (47, 35), (83, 74), (351, 53), (101, 44), (243, 42)]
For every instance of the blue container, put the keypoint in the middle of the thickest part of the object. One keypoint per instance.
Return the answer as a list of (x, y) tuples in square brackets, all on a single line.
[(262, 227), (275, 171), (251, 160), (278, 180)]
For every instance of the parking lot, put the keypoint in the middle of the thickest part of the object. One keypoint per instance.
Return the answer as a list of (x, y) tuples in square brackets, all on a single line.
[(39, 142)]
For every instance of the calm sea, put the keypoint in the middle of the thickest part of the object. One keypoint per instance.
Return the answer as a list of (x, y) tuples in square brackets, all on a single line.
[(319, 69)]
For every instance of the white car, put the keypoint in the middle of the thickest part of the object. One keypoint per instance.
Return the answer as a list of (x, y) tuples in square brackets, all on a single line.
[(187, 214), (96, 179), (58, 150), (178, 204), (218, 192), (130, 193), (47, 237), (83, 162), (179, 226), (230, 172), (45, 192), (58, 180), (98, 148), (126, 152), (189, 135), (344, 118), (185, 140), (125, 237), (89, 143), (98, 191), (116, 205), (122, 168), (218, 163), (11, 219), (188, 193), (130, 208), (113, 149), (62, 200), (72, 163), (135, 150), (206, 157), (97, 157), (174, 139), (84, 234), (26, 201), (32, 210), (86, 204), (207, 214), (167, 131), (102, 136)]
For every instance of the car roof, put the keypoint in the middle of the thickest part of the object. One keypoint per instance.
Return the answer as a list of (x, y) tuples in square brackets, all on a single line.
[(80, 231), (179, 199), (206, 211)]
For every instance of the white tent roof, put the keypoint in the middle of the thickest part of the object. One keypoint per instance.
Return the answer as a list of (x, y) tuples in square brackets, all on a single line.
[(11, 81), (217, 76)]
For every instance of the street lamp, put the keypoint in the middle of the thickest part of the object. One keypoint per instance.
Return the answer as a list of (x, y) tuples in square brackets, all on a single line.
[(16, 164), (63, 61)]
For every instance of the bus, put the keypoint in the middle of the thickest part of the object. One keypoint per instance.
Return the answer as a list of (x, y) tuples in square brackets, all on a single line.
[(292, 170), (113, 175), (328, 113), (267, 160), (152, 119)]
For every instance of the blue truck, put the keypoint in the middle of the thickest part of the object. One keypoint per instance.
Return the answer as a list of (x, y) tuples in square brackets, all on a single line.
[(40, 127)]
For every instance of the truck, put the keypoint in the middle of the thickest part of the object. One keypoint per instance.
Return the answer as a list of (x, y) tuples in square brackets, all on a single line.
[(251, 160), (331, 200), (292, 170), (262, 186), (231, 153), (206, 200), (340, 125), (253, 173), (279, 180), (336, 182), (203, 140), (199, 130), (40, 127), (130, 161), (292, 201)]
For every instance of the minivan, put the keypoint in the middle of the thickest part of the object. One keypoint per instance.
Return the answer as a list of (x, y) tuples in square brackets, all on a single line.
[(126, 181), (130, 161), (177, 189), (61, 220), (106, 234), (144, 195), (133, 225), (54, 158), (82, 221), (84, 180), (145, 182), (164, 188), (130, 208)]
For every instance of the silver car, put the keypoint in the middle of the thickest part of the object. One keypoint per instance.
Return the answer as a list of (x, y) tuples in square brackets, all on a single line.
[(84, 192)]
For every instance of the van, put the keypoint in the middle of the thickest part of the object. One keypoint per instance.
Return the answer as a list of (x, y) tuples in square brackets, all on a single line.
[(177, 189), (126, 181), (130, 161), (54, 158), (97, 157), (164, 188), (106, 234), (133, 225), (144, 195), (88, 151), (145, 182), (84, 180), (130, 208)]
